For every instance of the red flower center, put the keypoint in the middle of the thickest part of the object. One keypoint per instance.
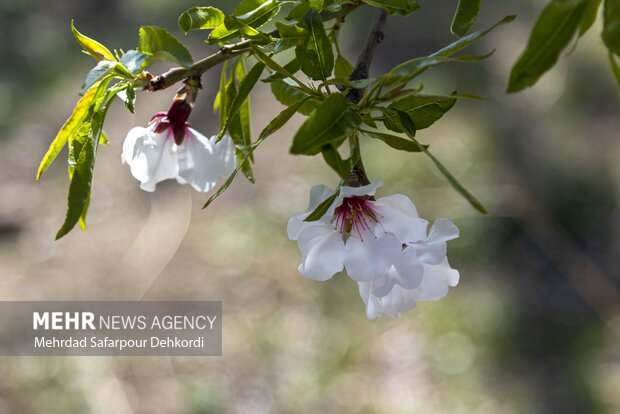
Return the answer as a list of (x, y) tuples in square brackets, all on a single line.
[(355, 213)]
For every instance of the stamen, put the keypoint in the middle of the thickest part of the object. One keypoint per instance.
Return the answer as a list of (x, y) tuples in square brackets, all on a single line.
[(356, 213)]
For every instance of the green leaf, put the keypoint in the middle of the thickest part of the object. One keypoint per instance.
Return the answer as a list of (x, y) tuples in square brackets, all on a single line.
[(104, 69), (328, 123), (300, 10), (81, 180), (343, 68), (272, 64), (198, 18), (315, 54), (244, 109), (611, 25), (402, 7), (245, 86), (322, 208), (395, 142), (465, 17), (248, 6), (220, 99), (161, 45), (424, 110), (589, 16), (257, 16), (128, 96), (70, 127), (92, 47), (333, 159), (234, 28), (456, 185), (552, 32), (290, 35), (287, 95), (134, 60), (291, 67)]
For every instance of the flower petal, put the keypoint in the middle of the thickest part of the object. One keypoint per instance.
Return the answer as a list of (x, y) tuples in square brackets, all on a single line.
[(224, 153), (152, 157), (373, 304), (370, 259), (296, 223), (408, 270), (399, 300), (322, 252), (437, 280), (399, 216), (366, 190), (442, 231), (197, 164)]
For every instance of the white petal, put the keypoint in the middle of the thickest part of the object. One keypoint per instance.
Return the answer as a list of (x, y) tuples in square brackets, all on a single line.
[(322, 252), (371, 258), (408, 270), (437, 280), (442, 231), (383, 285), (153, 157), (431, 253), (373, 304), (296, 223), (366, 190), (399, 300), (398, 215), (224, 152), (197, 163)]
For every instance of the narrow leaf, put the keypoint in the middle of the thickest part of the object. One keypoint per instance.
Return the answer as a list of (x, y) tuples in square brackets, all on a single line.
[(552, 32), (332, 120), (92, 47), (465, 17), (322, 208), (589, 16), (291, 67), (70, 127), (424, 110), (395, 142), (315, 54), (343, 68), (456, 185), (245, 86)]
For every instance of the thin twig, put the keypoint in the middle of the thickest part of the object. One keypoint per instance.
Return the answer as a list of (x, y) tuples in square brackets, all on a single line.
[(175, 75), (358, 175)]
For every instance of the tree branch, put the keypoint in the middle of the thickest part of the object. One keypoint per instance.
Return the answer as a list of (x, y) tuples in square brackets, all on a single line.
[(175, 75), (358, 175)]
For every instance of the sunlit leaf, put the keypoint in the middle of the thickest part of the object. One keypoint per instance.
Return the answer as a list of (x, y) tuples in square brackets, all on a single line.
[(92, 47), (198, 18), (161, 45)]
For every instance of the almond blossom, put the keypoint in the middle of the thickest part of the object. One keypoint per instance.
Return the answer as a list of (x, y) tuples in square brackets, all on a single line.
[(171, 149), (382, 244)]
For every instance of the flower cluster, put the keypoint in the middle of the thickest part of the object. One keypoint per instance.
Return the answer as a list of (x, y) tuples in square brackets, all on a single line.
[(382, 244)]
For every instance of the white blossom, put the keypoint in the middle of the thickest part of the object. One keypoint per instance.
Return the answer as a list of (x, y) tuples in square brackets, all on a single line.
[(154, 155)]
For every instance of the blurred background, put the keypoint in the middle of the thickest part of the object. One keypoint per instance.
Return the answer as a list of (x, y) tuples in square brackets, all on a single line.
[(533, 327)]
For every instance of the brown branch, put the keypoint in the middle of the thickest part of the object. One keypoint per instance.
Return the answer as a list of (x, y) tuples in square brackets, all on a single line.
[(175, 75), (358, 175)]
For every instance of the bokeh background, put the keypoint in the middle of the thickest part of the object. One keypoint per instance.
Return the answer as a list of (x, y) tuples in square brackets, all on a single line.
[(533, 327)]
